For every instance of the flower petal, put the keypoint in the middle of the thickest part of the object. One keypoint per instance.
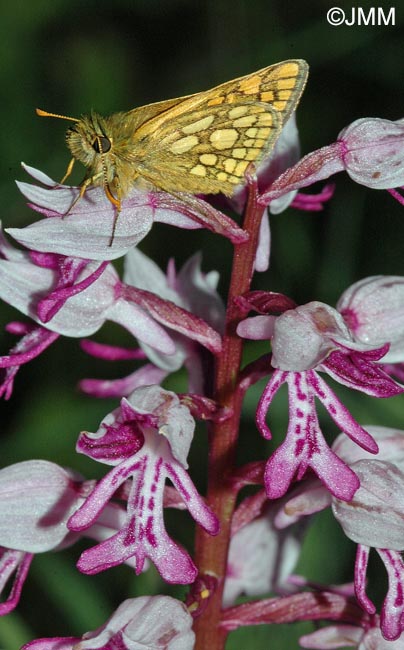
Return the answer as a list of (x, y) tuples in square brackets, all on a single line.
[(374, 153), (375, 516), (37, 498)]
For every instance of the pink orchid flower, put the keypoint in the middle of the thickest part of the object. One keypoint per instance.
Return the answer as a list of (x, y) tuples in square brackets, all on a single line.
[(158, 622), (147, 440)]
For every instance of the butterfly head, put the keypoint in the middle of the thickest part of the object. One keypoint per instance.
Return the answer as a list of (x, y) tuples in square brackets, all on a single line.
[(89, 142)]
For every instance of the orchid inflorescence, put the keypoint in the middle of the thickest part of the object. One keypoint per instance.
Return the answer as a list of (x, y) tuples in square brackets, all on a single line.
[(65, 284)]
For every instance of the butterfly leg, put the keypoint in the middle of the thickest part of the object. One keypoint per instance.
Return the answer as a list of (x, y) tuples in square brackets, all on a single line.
[(115, 200), (68, 171), (83, 188)]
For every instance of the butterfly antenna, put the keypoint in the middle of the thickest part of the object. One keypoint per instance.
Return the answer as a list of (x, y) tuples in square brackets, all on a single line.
[(42, 113)]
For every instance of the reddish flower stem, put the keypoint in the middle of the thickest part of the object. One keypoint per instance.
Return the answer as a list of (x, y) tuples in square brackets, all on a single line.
[(211, 552)]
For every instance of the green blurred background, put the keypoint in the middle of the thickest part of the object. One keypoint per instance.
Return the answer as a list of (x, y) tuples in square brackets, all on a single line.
[(71, 56)]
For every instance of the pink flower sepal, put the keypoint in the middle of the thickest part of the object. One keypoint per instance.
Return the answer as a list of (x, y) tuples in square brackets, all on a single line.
[(261, 556), (27, 281), (374, 519), (373, 309), (315, 336), (36, 499), (149, 622), (144, 376), (14, 565), (265, 302), (310, 497), (85, 297), (147, 439), (308, 606), (39, 498), (306, 336), (189, 289), (376, 516), (33, 342), (392, 613), (84, 229), (370, 150), (363, 637), (316, 166), (373, 152)]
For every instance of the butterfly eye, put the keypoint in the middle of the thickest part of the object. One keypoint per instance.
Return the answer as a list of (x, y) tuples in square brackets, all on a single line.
[(101, 144)]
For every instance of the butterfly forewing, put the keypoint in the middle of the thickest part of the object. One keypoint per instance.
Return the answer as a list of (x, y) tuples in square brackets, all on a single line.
[(280, 85)]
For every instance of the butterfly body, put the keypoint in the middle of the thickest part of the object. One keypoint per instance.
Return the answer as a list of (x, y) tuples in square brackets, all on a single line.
[(200, 143)]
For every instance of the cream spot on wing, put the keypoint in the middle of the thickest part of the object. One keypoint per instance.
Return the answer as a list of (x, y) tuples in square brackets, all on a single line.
[(199, 125), (263, 133), (229, 165), (250, 143), (208, 159), (239, 153), (221, 176), (251, 133), (198, 170), (184, 144), (241, 167), (284, 94), (223, 138), (252, 154), (279, 105), (265, 119), (247, 120), (238, 111)]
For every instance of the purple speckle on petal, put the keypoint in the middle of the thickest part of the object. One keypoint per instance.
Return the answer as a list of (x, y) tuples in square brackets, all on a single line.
[(151, 538), (299, 447), (157, 470), (399, 599), (130, 537)]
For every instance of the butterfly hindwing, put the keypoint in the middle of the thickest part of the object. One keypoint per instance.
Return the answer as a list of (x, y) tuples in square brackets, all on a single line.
[(204, 142), (210, 150)]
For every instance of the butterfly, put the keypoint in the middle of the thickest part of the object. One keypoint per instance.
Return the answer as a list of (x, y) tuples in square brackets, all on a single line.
[(200, 144)]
